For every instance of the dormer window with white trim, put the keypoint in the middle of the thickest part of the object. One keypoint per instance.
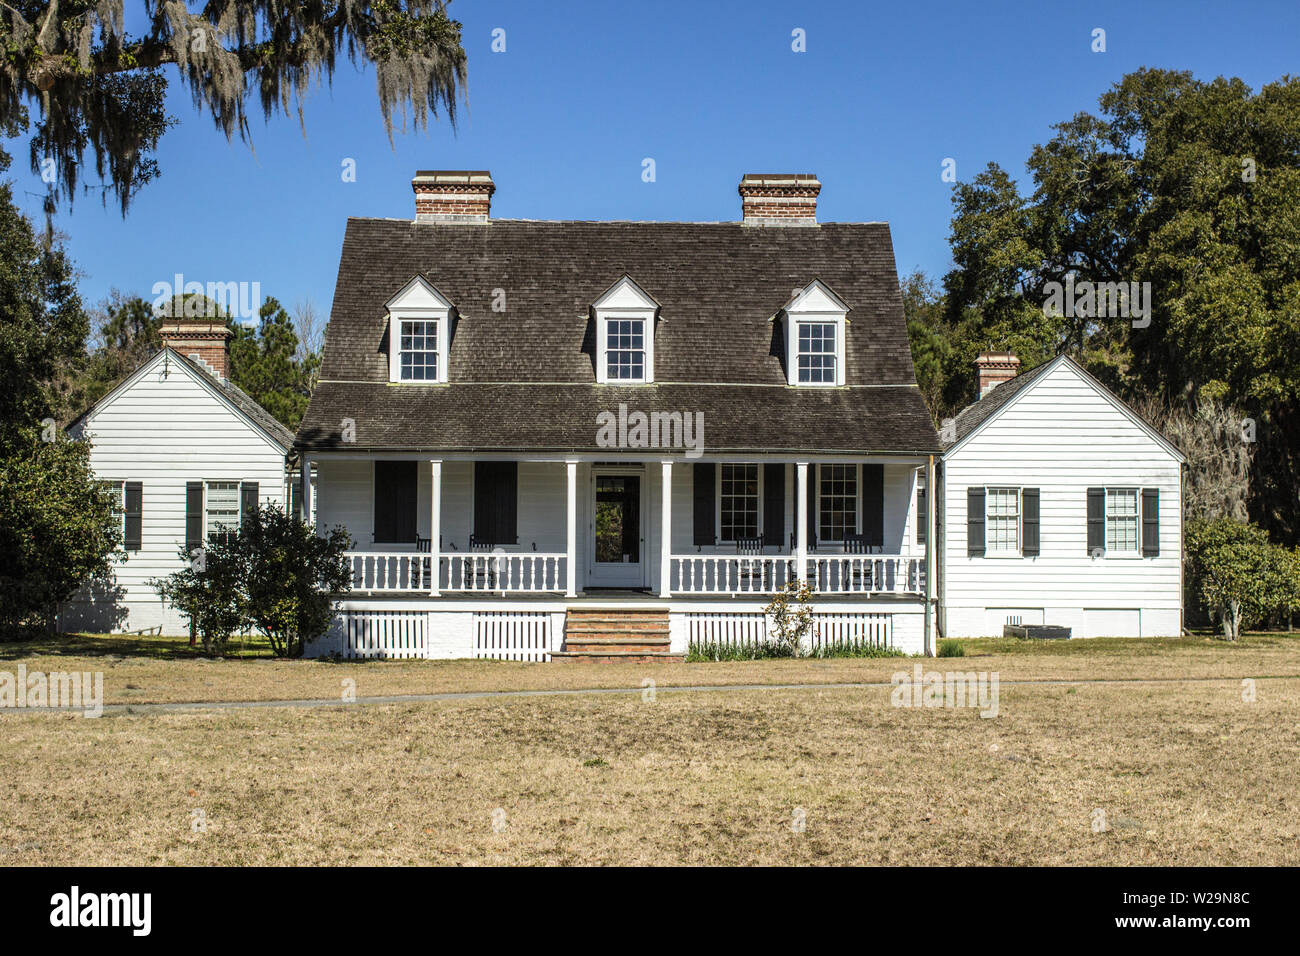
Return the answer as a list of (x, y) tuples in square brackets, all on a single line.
[(815, 321), (419, 334), (625, 332)]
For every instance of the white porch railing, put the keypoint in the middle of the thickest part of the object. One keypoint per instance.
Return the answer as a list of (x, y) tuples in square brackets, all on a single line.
[(411, 571), (521, 571), (766, 574)]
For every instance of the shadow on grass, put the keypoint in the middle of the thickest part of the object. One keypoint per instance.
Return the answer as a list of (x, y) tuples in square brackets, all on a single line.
[(1132, 646), (128, 645)]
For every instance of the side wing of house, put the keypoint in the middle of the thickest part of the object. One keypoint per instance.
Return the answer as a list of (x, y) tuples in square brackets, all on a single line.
[(1062, 509), (184, 460)]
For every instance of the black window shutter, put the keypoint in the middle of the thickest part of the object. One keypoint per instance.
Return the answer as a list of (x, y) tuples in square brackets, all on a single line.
[(922, 516), (1096, 519), (1150, 522), (395, 484), (1029, 522), (975, 522), (193, 516), (774, 503), (247, 501), (703, 478), (873, 504), (812, 506), (496, 502), (133, 526)]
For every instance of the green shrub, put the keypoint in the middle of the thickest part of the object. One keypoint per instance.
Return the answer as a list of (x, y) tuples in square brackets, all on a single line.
[(951, 648), (1238, 574), (58, 529), (853, 649), (698, 651), (274, 573)]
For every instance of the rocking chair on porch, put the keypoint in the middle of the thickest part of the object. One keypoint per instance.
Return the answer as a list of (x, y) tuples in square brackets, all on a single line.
[(750, 574), (862, 572), (484, 572)]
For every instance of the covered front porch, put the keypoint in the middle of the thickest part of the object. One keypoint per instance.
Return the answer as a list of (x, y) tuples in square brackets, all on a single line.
[(498, 527)]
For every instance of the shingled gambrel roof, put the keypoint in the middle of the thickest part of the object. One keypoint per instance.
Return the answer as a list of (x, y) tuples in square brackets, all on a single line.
[(525, 377)]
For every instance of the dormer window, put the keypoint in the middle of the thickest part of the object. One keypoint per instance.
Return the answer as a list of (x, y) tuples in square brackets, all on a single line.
[(815, 321), (417, 350), (817, 353), (419, 333), (625, 349), (625, 328)]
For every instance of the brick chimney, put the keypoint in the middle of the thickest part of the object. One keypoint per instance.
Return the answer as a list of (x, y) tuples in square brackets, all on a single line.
[(779, 199), (205, 340), (451, 195), (994, 368)]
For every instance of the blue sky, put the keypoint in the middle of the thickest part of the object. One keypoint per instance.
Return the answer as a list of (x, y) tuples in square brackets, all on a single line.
[(586, 90)]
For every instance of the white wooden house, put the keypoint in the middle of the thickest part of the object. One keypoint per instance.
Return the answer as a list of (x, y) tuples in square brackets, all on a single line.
[(1058, 505), (606, 440), (188, 453)]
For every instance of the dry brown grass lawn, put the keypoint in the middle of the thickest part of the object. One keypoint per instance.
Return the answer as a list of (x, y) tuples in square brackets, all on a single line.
[(150, 670), (1185, 773)]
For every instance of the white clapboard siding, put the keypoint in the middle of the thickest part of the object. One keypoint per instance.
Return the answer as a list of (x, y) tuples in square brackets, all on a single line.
[(164, 427), (1060, 435), (513, 635)]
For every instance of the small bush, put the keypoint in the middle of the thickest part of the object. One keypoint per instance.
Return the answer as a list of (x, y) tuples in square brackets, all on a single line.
[(951, 648)]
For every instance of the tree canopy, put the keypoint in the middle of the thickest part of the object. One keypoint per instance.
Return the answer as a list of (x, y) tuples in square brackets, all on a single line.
[(1185, 184), (92, 86)]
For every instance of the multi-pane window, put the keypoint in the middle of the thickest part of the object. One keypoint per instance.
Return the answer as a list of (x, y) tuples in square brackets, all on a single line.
[(1121, 519), (418, 350), (838, 512), (739, 502), (817, 352), (625, 349), (1002, 517), (118, 490), (221, 513)]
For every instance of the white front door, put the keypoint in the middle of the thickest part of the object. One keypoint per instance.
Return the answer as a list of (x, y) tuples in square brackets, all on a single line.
[(616, 537)]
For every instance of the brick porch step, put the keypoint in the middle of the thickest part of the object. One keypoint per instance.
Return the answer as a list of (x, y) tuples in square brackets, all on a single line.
[(612, 634)]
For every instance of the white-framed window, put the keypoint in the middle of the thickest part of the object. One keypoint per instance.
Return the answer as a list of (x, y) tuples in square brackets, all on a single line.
[(118, 488), (1123, 532), (922, 508), (1002, 520), (419, 334), (625, 352), (837, 502), (816, 320), (417, 350), (220, 508), (739, 497), (625, 334), (817, 351)]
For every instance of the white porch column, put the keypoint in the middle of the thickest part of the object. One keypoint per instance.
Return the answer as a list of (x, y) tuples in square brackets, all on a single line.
[(571, 548), (304, 496), (666, 532), (435, 525), (931, 507), (801, 519)]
